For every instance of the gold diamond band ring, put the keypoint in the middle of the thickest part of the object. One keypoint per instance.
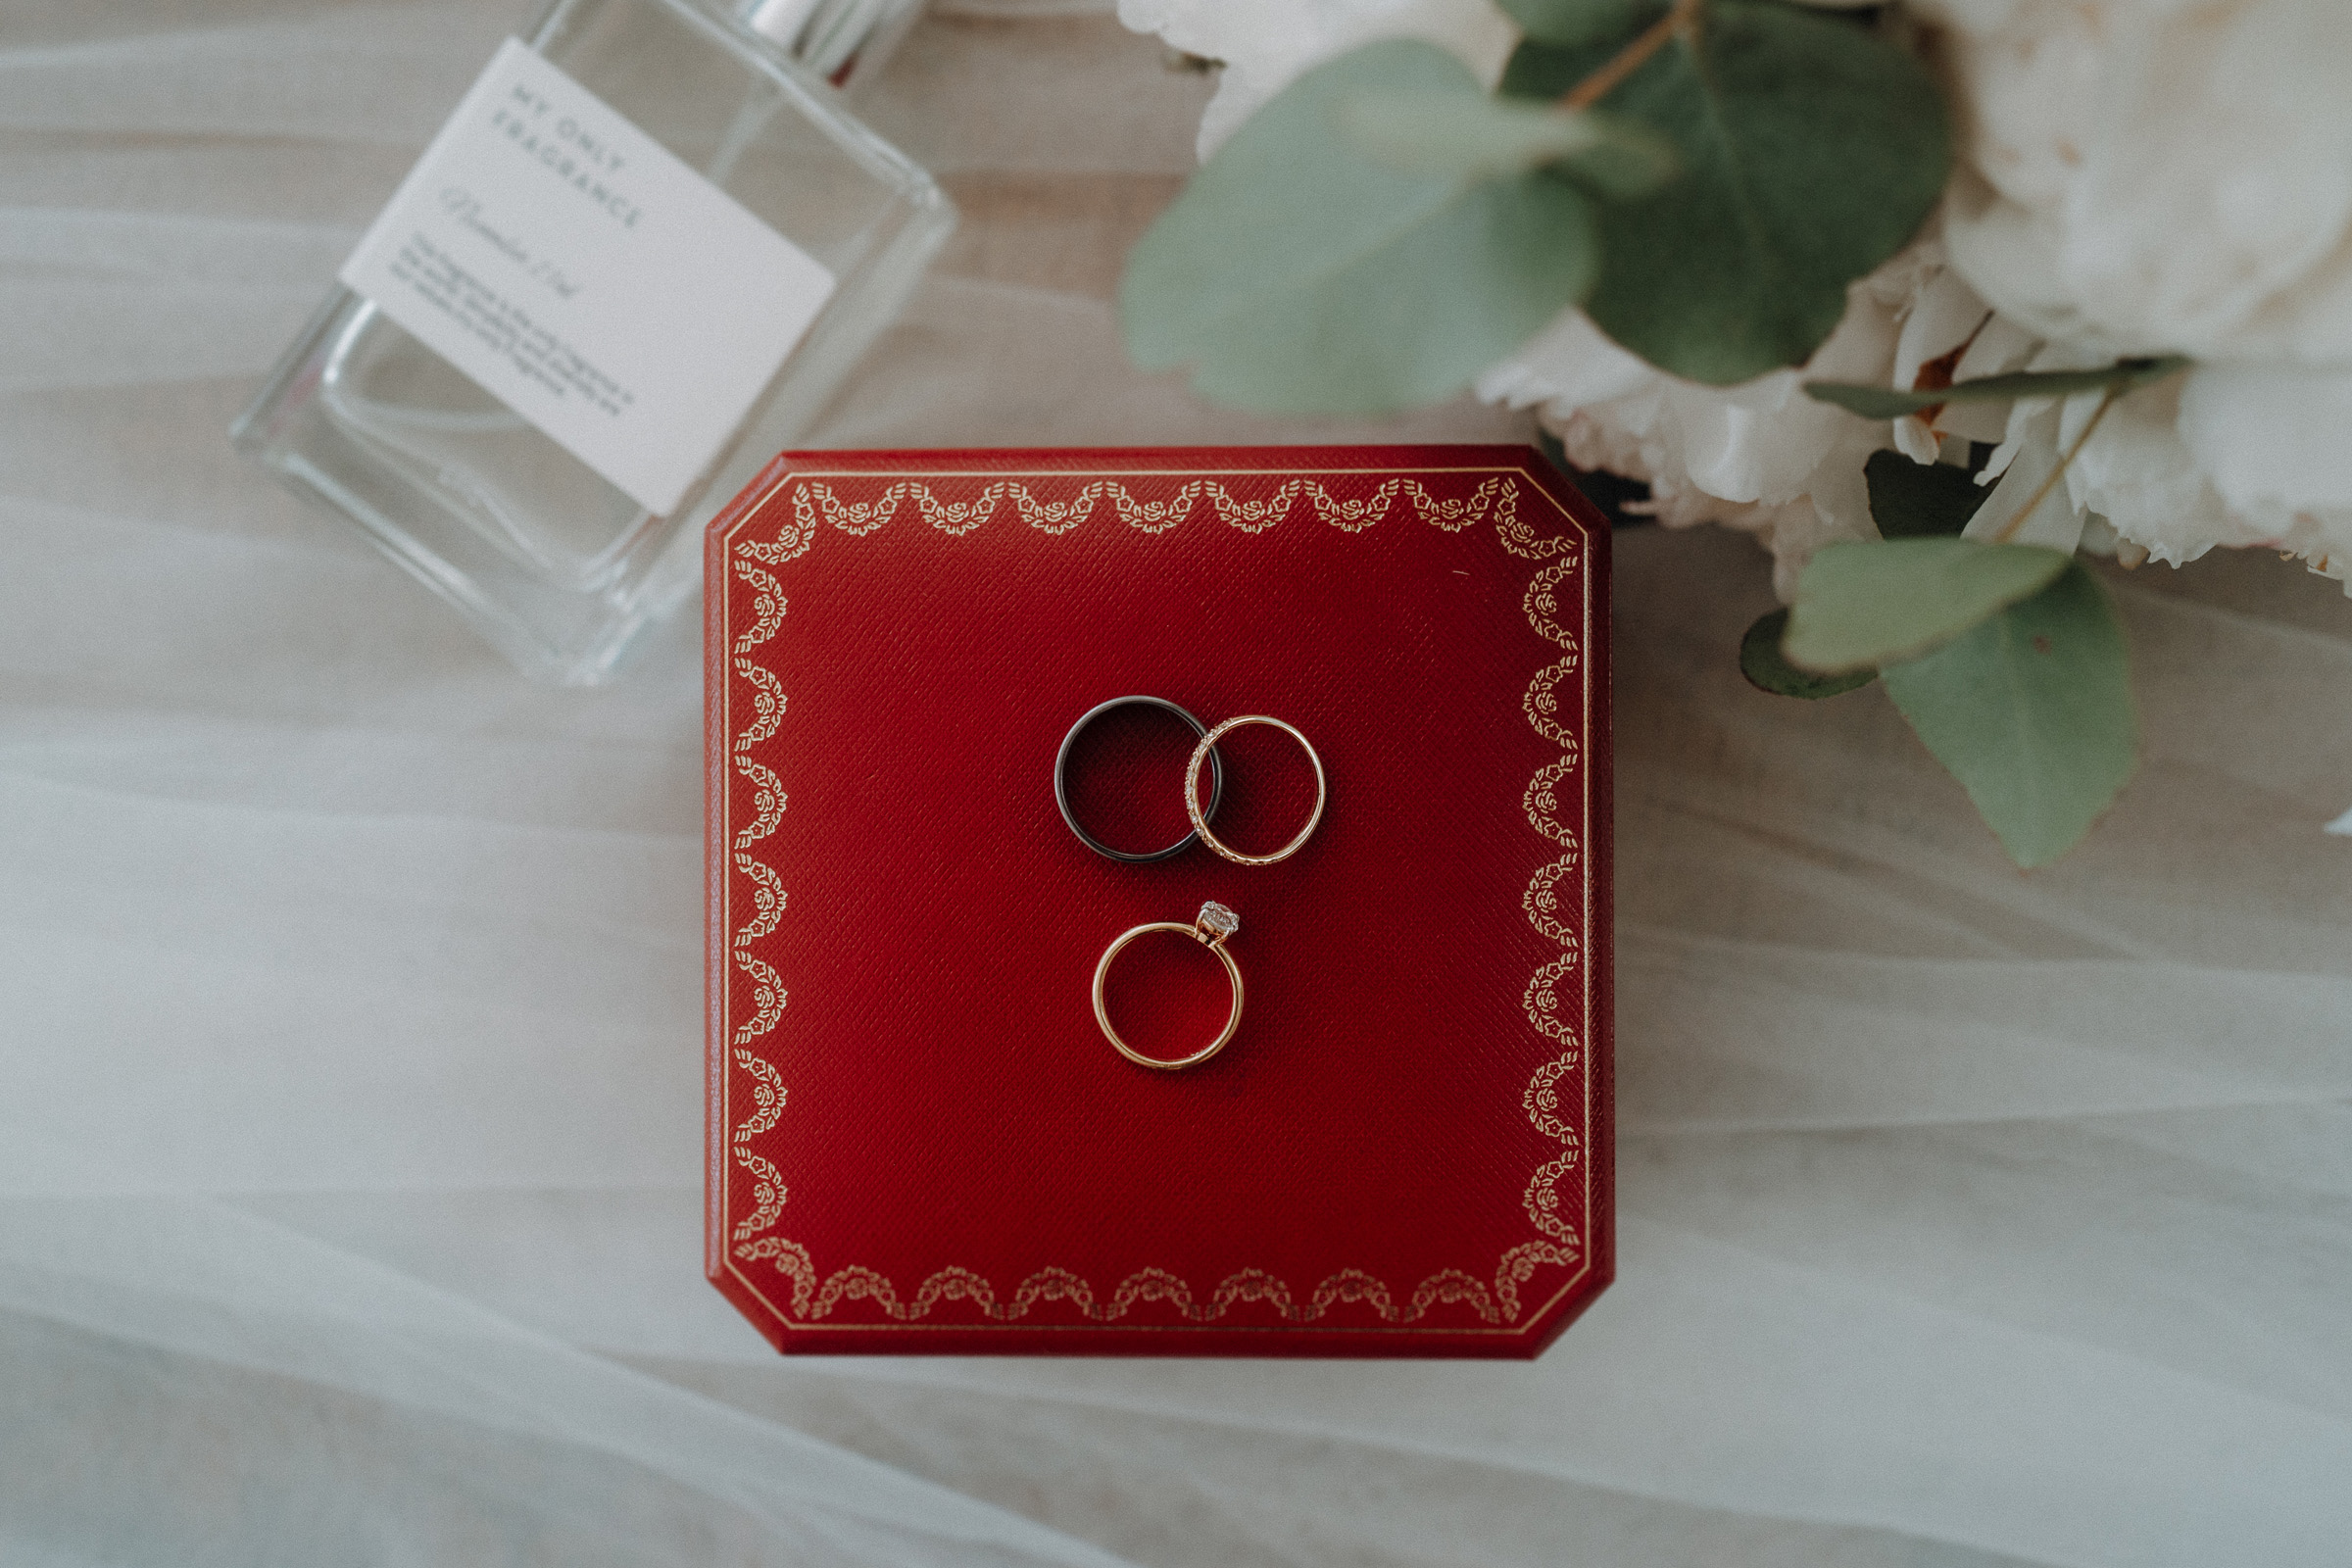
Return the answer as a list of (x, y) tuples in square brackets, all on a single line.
[(1191, 791), (1215, 924)]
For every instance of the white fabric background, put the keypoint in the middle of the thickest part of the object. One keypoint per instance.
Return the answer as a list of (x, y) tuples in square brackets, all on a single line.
[(350, 1078)]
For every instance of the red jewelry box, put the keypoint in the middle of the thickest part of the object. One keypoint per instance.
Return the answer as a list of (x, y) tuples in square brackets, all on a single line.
[(919, 1139)]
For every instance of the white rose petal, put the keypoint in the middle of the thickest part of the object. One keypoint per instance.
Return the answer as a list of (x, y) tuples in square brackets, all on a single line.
[(2162, 174), (2271, 437), (2138, 473), (2055, 520), (2272, 442), (1761, 456), (1570, 363), (1267, 44)]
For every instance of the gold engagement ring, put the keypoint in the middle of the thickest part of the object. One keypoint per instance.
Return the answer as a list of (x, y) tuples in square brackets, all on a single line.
[(1214, 926)]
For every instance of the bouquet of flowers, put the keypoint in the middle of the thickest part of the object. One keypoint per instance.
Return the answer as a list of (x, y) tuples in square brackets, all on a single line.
[(1933, 296)]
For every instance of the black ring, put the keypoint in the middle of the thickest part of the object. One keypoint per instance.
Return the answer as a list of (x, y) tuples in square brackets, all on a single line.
[(1061, 794)]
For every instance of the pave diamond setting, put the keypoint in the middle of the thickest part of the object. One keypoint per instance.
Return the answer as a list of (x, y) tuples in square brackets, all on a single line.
[(1217, 923)]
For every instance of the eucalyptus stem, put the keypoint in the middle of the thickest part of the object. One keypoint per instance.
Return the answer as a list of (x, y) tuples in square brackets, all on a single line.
[(2059, 473), (1683, 18)]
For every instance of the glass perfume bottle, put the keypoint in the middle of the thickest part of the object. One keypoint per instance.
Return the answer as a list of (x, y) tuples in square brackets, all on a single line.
[(631, 266)]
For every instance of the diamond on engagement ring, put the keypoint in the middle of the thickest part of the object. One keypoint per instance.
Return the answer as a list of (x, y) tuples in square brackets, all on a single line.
[(1218, 921)]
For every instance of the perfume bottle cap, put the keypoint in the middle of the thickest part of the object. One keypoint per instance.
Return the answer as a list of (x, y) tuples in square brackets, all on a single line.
[(840, 40)]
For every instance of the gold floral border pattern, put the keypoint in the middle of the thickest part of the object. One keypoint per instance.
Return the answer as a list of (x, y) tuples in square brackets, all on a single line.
[(859, 519), (815, 1295)]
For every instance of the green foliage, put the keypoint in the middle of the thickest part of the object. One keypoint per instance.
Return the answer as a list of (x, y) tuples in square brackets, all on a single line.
[(1860, 605), (1920, 500), (1811, 150), (1476, 137), (2031, 711), (1884, 403), (1767, 669), (1300, 275), (1383, 230)]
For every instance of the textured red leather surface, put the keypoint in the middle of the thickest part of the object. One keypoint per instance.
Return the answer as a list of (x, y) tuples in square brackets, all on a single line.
[(919, 1139)]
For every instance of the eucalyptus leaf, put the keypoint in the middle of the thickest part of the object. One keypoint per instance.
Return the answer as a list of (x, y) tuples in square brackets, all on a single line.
[(1811, 150), (1865, 604), (1447, 132), (1761, 661), (2032, 712), (1920, 500), (1886, 403), (1300, 275)]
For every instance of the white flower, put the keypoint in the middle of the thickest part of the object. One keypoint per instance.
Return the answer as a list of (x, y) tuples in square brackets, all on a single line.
[(2168, 176), (1267, 44), (2137, 176), (2274, 443), (2164, 175), (1763, 456)]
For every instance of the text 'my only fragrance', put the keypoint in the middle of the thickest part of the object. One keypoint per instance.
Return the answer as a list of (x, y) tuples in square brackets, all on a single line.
[(633, 263)]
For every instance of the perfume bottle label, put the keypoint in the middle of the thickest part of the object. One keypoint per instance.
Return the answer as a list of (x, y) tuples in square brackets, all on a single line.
[(588, 279)]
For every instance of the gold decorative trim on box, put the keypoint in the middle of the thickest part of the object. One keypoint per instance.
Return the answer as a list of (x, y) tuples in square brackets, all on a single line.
[(815, 1294)]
